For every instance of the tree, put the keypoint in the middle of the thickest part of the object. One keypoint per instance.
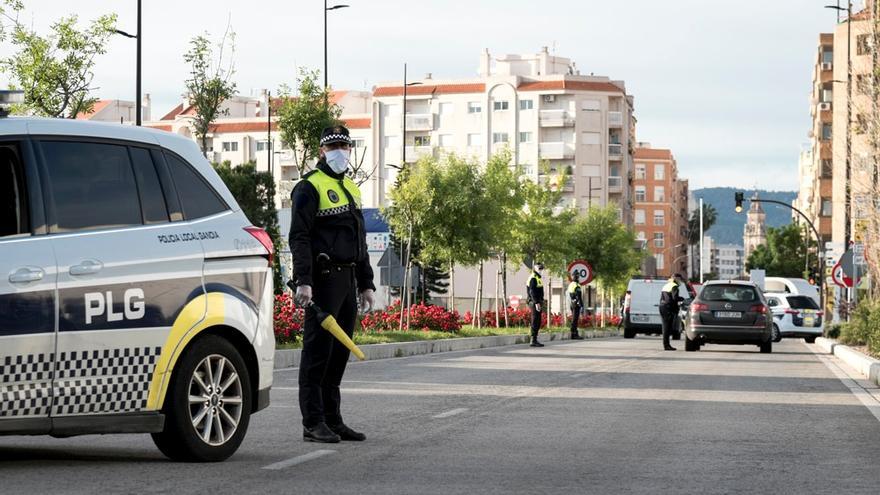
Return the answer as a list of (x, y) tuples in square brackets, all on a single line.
[(608, 245), (255, 193), (710, 216), (302, 117), (210, 83), (784, 254), (56, 71), (8, 8)]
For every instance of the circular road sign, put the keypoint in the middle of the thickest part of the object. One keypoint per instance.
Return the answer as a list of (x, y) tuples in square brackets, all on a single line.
[(582, 269)]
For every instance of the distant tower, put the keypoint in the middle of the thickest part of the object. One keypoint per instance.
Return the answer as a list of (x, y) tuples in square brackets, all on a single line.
[(755, 230)]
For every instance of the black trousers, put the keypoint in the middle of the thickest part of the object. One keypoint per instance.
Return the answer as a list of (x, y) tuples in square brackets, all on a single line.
[(668, 322), (323, 357), (536, 319), (575, 316)]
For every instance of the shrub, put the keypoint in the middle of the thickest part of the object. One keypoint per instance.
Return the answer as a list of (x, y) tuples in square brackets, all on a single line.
[(522, 317), (864, 326), (288, 319), (833, 331), (422, 317)]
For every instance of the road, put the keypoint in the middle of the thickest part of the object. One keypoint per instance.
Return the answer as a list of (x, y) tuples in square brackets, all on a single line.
[(600, 416)]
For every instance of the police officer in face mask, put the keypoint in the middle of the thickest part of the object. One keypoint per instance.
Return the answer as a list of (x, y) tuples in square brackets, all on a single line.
[(332, 269)]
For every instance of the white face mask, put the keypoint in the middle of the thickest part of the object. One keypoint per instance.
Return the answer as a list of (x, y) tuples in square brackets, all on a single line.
[(337, 159)]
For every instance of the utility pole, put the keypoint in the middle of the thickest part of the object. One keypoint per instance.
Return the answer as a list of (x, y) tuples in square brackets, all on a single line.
[(701, 241)]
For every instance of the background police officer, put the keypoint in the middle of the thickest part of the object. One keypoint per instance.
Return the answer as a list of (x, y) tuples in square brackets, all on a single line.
[(576, 300), (330, 264), (669, 305), (535, 291)]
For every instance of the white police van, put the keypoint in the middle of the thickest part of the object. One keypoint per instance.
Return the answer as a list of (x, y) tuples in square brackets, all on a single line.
[(135, 296)]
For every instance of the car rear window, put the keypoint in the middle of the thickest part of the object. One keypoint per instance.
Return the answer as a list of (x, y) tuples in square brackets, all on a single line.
[(729, 293), (802, 302)]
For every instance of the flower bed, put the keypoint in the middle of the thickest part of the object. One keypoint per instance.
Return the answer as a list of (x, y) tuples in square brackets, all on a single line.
[(422, 317), (288, 319), (522, 317)]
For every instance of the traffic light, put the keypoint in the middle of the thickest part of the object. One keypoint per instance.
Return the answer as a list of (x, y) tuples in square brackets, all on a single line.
[(739, 201)]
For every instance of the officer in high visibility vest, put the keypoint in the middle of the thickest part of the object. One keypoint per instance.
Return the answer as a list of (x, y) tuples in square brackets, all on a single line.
[(576, 300), (331, 268), (669, 305), (535, 291)]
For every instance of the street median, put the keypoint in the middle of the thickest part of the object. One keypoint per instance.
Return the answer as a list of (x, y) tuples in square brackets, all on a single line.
[(289, 358), (864, 364)]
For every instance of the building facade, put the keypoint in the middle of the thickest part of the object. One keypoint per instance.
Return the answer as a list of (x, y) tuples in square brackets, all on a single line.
[(660, 212), (755, 229)]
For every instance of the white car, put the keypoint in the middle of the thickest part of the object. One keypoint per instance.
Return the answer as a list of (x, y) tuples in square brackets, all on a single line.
[(135, 295), (794, 315)]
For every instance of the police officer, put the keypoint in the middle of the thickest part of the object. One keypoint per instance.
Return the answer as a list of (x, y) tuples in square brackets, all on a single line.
[(576, 300), (331, 268), (535, 291), (669, 304)]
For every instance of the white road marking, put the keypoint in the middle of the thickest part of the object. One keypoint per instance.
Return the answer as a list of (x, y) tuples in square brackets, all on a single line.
[(449, 413), (864, 395), (299, 459), (576, 375)]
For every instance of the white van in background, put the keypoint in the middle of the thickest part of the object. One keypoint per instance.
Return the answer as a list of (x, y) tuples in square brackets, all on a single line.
[(644, 313), (794, 286)]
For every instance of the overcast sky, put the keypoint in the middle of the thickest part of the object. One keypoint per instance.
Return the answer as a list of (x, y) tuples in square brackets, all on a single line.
[(723, 83)]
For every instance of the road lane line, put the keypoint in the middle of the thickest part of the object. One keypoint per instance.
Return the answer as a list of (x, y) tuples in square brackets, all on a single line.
[(449, 413), (299, 460), (576, 375)]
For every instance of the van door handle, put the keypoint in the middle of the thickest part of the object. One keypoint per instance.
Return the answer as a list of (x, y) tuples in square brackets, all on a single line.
[(26, 274), (87, 267)]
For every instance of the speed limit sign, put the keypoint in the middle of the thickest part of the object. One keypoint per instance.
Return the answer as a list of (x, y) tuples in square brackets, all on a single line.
[(582, 269)]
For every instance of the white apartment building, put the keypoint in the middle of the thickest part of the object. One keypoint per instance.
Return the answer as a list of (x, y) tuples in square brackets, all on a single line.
[(725, 261), (538, 106)]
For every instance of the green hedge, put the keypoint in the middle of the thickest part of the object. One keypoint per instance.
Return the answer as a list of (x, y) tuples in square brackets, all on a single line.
[(863, 329)]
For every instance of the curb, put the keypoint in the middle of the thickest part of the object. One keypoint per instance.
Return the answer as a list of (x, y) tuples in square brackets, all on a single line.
[(290, 358), (866, 365)]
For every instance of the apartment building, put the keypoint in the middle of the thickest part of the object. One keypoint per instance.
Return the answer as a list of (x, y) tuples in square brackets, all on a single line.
[(119, 111), (537, 106), (660, 215)]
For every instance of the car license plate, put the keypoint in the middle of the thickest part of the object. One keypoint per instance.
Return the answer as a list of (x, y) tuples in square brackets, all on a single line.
[(809, 321), (639, 318), (728, 314)]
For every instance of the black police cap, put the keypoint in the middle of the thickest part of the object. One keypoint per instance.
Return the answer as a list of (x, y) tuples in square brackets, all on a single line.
[(335, 134)]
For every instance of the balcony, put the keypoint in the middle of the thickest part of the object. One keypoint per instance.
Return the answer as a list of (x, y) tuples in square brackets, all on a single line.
[(615, 119), (615, 151), (555, 118), (420, 122), (555, 151), (615, 185), (414, 153)]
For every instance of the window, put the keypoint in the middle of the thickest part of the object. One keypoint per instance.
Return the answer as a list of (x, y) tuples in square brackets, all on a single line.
[(827, 56), (499, 137), (863, 46), (827, 168), (826, 207), (474, 107), (826, 132), (659, 171), (640, 217), (358, 143), (525, 137), (422, 140), (445, 140), (230, 146), (640, 194), (13, 194), (526, 104), (640, 236), (446, 108), (659, 194), (659, 218), (801, 302), (729, 293), (150, 191), (660, 261), (475, 139), (640, 171), (500, 105), (92, 186), (262, 145), (658, 239), (196, 197)]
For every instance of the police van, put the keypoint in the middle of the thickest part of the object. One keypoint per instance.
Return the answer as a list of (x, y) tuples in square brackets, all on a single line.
[(135, 296)]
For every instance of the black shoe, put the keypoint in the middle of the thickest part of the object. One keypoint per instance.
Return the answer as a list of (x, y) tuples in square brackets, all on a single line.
[(668, 348), (320, 433), (576, 336), (535, 343), (347, 433)]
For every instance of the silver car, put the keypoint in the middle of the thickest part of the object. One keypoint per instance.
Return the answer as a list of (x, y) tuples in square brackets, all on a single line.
[(135, 296)]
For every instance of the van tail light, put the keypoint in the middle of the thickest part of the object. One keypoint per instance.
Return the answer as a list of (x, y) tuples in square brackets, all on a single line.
[(263, 237), (758, 308), (695, 307)]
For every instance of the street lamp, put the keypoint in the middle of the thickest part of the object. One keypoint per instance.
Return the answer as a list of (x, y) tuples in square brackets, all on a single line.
[(327, 9), (848, 165), (137, 111), (403, 118)]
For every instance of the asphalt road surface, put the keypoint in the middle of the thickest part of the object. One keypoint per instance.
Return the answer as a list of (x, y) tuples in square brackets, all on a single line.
[(598, 416)]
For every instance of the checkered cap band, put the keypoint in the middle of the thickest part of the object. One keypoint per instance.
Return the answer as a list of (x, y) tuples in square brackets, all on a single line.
[(335, 138)]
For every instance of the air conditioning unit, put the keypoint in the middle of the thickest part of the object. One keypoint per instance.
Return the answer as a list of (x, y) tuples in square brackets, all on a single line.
[(826, 66), (549, 98), (824, 106)]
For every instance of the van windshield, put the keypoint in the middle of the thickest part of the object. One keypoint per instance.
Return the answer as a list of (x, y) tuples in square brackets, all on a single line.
[(729, 293)]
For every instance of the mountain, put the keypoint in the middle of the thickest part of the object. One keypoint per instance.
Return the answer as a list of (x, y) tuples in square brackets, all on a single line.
[(728, 229)]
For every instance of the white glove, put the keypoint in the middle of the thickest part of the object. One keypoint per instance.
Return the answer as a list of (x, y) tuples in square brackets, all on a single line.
[(303, 295), (538, 307), (367, 300)]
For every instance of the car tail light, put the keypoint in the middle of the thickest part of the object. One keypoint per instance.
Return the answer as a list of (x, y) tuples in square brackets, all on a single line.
[(758, 308), (820, 313), (263, 236), (791, 312), (695, 307)]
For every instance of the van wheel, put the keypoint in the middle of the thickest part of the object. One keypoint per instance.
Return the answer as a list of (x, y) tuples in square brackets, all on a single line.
[(629, 333), (766, 347), (208, 403), (810, 340)]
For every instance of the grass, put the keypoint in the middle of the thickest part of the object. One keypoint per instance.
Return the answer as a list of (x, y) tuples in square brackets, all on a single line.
[(361, 338)]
